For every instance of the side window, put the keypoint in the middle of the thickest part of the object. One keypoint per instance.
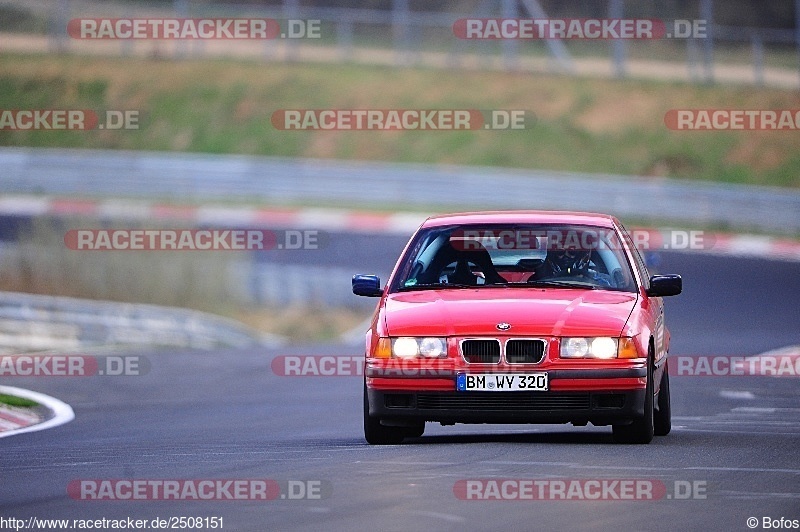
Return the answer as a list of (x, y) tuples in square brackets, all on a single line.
[(637, 257)]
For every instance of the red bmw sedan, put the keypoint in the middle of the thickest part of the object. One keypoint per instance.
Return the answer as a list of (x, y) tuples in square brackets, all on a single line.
[(518, 317)]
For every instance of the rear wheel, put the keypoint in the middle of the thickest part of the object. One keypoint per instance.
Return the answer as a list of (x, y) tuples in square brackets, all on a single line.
[(662, 421), (377, 434), (642, 429)]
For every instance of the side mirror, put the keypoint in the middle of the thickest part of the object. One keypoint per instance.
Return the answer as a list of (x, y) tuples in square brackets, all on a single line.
[(367, 285), (665, 285)]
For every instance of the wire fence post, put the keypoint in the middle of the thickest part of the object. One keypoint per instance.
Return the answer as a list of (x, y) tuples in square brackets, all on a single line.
[(181, 11), (508, 10), (291, 10), (616, 10), (707, 14), (59, 41), (400, 32), (797, 32)]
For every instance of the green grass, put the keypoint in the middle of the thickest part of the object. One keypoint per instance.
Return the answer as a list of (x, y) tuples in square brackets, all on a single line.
[(13, 400), (581, 125)]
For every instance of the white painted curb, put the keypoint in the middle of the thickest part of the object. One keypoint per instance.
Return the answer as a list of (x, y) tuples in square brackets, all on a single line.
[(62, 412)]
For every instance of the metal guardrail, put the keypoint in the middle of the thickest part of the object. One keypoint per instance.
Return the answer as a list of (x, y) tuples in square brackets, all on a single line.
[(246, 281), (200, 177), (38, 323), (284, 285)]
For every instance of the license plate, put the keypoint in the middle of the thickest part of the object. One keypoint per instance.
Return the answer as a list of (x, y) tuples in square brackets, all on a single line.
[(502, 382)]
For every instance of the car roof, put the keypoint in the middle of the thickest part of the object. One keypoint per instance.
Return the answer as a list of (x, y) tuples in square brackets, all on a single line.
[(532, 217)]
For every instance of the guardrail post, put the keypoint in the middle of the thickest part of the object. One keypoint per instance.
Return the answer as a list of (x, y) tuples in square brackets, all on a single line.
[(758, 59), (344, 38), (693, 59)]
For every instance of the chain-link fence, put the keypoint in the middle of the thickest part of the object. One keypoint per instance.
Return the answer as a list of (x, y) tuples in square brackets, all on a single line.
[(750, 42)]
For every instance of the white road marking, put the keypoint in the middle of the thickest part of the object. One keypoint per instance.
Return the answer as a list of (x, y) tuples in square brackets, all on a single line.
[(736, 394), (745, 469), (789, 350), (754, 410), (439, 515), (753, 495)]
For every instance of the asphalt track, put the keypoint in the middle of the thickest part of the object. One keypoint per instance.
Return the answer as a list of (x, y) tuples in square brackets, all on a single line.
[(226, 415)]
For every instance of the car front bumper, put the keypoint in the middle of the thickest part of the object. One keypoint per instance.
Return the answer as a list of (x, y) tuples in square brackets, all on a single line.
[(604, 397)]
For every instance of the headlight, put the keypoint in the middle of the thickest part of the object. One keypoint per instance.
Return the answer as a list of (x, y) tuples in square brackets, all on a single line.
[(429, 347), (601, 347), (574, 347), (432, 347), (604, 348), (405, 347)]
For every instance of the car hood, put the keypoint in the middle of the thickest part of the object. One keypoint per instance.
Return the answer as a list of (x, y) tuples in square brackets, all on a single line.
[(534, 312)]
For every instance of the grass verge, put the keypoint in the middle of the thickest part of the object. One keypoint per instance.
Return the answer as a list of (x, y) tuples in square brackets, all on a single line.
[(13, 400), (225, 106)]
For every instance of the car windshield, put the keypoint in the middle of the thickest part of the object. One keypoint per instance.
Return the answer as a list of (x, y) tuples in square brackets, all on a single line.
[(516, 256)]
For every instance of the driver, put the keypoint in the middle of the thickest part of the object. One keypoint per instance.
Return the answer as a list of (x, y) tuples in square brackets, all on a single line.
[(571, 262), (567, 261)]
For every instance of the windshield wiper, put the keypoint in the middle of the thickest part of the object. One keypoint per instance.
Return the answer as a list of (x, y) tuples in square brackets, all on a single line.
[(426, 286), (561, 284)]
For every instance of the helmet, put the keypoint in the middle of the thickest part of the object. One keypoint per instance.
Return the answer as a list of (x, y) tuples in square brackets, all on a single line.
[(569, 260)]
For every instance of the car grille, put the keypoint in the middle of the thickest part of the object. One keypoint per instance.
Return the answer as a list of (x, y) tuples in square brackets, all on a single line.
[(481, 351), (524, 351), (511, 401)]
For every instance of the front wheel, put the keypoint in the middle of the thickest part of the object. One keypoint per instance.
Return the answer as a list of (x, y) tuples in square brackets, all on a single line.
[(377, 434), (416, 431), (642, 429), (663, 415)]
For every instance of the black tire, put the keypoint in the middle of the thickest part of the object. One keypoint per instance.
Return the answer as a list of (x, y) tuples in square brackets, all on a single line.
[(641, 431), (377, 434), (415, 431), (662, 420)]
